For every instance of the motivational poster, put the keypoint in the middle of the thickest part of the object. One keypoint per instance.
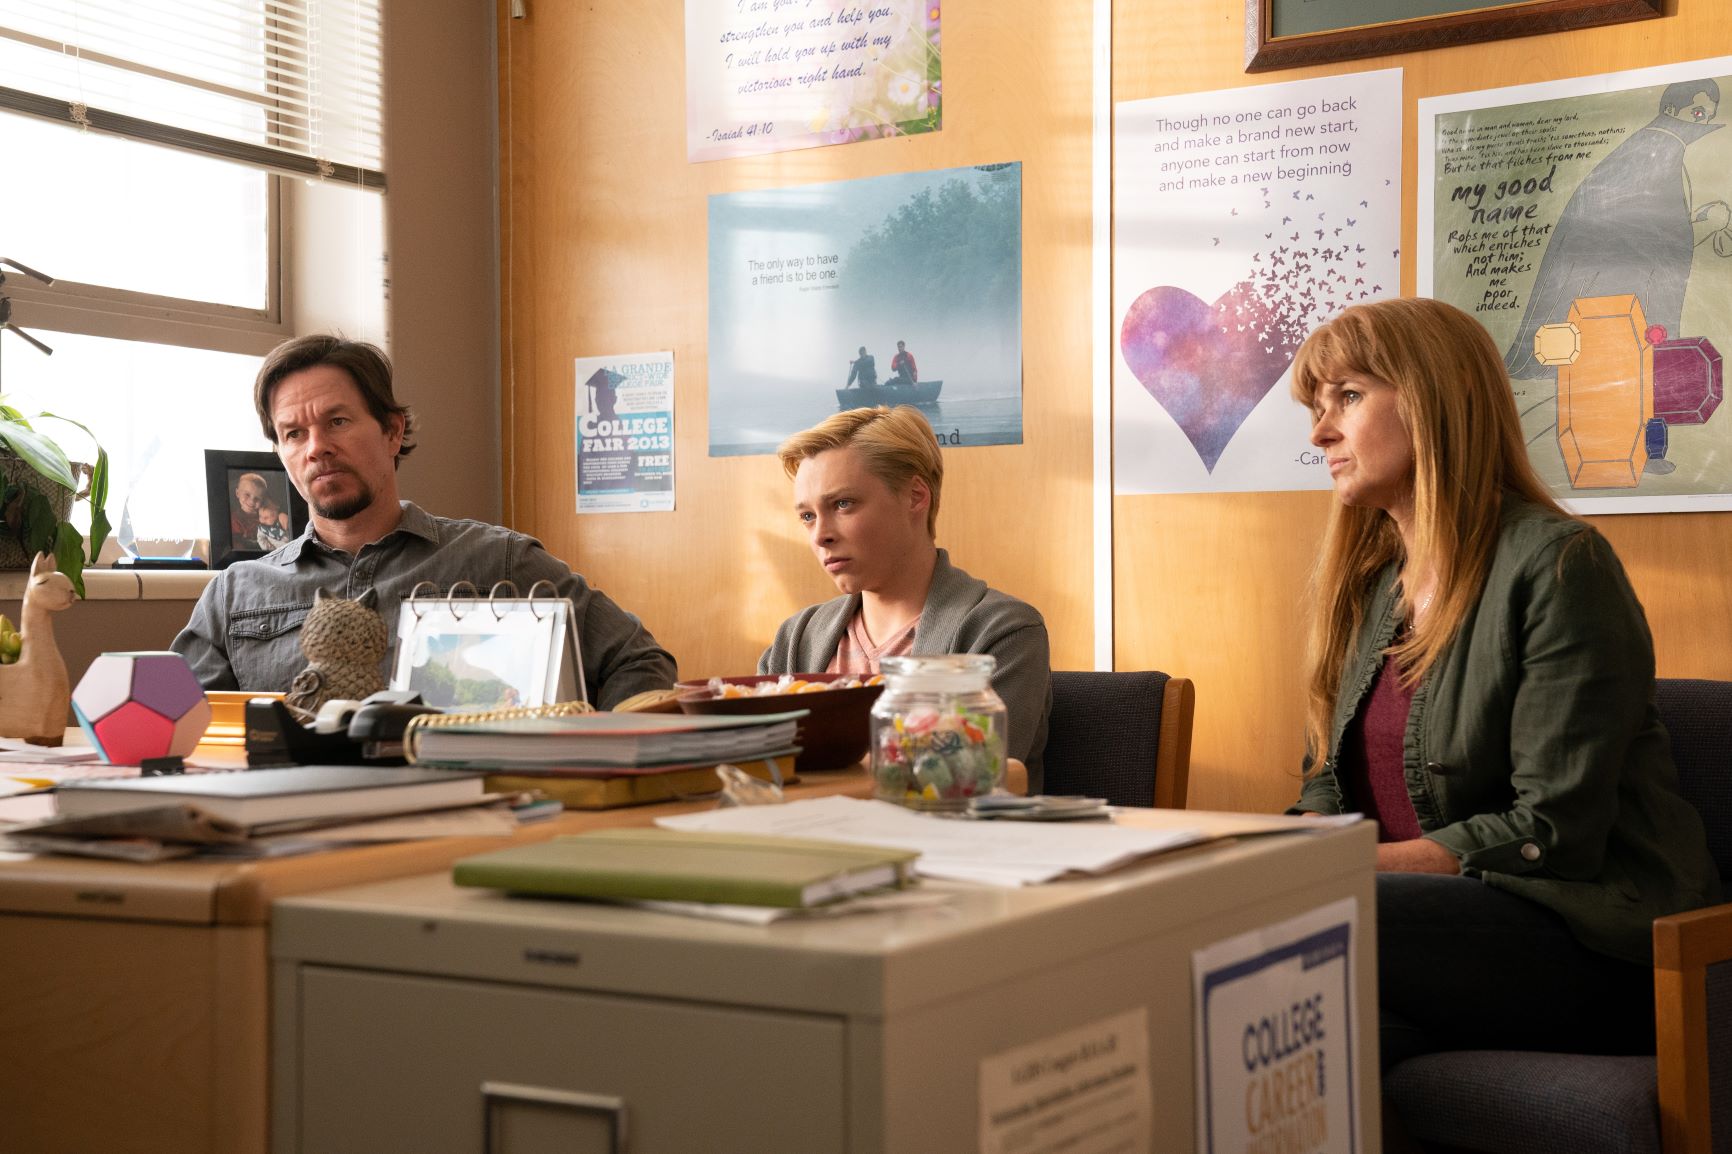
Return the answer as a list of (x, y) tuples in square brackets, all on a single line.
[(1276, 1048), (625, 433), (770, 75), (1587, 223), (1243, 219), (892, 290)]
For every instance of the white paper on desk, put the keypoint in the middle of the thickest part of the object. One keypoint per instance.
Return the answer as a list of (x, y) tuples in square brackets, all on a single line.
[(274, 846), (990, 852), (69, 771), (764, 915), (21, 809), (16, 751), (1223, 825), (133, 849)]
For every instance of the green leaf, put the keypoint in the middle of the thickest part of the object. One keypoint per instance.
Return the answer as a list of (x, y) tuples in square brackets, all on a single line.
[(99, 526), (41, 526), (38, 451), (69, 555), (12, 511), (98, 498)]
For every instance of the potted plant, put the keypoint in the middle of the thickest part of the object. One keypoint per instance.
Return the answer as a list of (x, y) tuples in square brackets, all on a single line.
[(38, 485)]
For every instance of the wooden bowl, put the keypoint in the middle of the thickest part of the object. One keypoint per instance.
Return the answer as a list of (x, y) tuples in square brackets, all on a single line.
[(834, 735)]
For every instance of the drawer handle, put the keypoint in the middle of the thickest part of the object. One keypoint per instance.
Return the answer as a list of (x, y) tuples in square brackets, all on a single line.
[(495, 1094)]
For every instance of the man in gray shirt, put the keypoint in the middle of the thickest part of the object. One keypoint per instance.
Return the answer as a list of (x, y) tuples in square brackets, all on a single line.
[(327, 405)]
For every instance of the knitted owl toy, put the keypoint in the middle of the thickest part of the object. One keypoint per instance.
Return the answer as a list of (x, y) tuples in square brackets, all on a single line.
[(344, 642)]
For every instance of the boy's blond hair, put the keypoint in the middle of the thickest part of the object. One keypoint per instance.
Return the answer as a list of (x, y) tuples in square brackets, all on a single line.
[(897, 443)]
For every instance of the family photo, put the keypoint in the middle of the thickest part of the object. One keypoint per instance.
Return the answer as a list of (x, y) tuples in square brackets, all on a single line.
[(253, 508)]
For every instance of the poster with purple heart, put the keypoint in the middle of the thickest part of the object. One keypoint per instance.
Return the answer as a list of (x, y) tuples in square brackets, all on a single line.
[(890, 290), (1243, 219), (1587, 223)]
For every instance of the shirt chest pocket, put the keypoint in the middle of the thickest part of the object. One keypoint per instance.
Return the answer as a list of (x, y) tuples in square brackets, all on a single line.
[(265, 647)]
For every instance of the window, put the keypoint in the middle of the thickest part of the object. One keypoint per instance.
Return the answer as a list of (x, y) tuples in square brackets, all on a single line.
[(155, 408), (201, 178)]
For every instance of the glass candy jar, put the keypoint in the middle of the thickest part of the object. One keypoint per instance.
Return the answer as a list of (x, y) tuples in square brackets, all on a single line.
[(938, 731)]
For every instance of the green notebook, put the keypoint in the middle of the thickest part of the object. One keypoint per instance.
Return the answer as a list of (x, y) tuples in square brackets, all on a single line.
[(682, 866)]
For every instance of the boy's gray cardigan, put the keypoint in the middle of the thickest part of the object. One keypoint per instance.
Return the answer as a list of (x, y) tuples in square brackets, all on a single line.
[(962, 615)]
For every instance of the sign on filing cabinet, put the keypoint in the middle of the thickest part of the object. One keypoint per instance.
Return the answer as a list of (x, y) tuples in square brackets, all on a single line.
[(1276, 1048)]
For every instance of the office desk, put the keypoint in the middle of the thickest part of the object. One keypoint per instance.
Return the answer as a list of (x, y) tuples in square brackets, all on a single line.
[(417, 1015), (134, 998)]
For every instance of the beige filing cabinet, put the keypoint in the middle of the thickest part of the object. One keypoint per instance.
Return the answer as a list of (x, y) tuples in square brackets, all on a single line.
[(418, 1015)]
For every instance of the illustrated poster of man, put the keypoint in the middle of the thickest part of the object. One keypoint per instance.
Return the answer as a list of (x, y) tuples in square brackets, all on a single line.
[(811, 287), (1588, 223), (1632, 226)]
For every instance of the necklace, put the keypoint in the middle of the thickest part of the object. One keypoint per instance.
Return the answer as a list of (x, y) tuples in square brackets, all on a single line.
[(1406, 629)]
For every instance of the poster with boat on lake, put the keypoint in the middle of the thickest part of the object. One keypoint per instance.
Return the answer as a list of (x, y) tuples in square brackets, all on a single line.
[(900, 289)]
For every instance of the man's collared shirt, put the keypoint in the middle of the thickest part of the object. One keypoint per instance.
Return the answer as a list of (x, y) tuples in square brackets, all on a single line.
[(245, 632)]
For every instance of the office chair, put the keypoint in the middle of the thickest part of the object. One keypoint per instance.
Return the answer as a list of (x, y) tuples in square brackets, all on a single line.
[(1492, 1101), (1122, 736)]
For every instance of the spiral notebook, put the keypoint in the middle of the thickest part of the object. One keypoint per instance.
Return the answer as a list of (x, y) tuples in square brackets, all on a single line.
[(610, 743), (463, 650)]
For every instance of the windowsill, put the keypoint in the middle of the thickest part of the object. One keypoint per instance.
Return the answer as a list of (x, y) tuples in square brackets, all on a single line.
[(123, 585)]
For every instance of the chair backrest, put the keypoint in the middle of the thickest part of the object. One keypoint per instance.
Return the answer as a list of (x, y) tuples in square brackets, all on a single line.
[(1698, 716), (1122, 736)]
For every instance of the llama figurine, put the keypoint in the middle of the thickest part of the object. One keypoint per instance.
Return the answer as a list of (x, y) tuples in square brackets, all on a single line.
[(35, 692)]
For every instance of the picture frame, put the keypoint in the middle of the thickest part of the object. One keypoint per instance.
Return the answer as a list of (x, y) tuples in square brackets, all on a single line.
[(251, 503), (1295, 33), (476, 654)]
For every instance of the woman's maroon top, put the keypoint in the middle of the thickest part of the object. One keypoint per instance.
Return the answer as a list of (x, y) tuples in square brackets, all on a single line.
[(1372, 758)]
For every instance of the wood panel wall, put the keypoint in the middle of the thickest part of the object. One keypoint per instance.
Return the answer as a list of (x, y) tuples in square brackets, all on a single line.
[(604, 251)]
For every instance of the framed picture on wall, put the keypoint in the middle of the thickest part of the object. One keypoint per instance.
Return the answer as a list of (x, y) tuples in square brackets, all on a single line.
[(253, 507), (1294, 33)]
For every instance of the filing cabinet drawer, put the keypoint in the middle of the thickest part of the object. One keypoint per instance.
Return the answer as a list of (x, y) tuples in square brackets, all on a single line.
[(394, 1062)]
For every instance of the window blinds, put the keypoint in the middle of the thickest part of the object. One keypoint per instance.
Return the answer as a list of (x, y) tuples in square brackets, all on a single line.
[(288, 85)]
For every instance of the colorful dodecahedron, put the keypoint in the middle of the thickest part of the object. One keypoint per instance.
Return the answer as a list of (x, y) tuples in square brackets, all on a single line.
[(138, 705)]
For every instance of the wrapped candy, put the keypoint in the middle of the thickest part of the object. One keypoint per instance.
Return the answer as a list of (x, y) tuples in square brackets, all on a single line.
[(787, 683), (938, 731)]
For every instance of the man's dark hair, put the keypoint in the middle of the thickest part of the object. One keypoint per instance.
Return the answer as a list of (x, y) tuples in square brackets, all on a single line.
[(365, 363), (1683, 94)]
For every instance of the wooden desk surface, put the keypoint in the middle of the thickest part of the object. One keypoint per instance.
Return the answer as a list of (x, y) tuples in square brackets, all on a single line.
[(240, 893)]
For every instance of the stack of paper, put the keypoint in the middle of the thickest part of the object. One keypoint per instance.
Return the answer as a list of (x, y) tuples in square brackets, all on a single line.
[(989, 852), (247, 813), (259, 796), (603, 743)]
